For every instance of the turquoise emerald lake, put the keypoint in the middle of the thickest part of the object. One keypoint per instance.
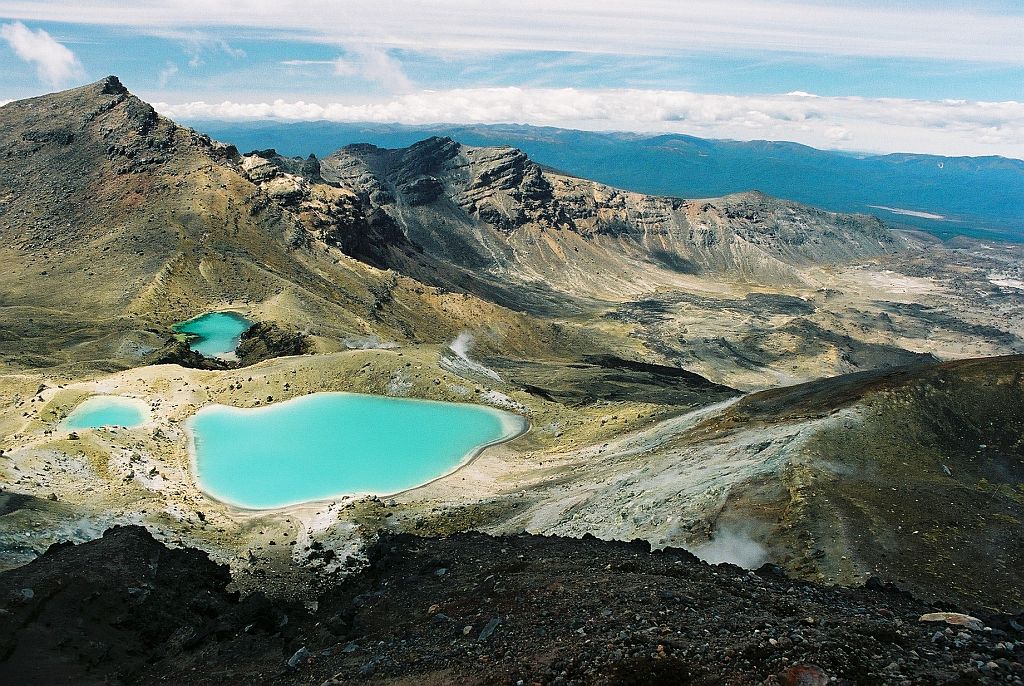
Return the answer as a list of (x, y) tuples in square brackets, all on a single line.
[(107, 411), (327, 445), (215, 334)]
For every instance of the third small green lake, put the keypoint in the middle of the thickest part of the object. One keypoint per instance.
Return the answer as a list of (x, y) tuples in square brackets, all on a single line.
[(104, 411), (214, 334)]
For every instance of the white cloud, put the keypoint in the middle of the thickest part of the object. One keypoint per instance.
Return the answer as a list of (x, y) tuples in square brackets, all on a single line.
[(166, 73), (365, 62), (837, 134), (195, 44), (865, 124), (54, 63), (919, 30), (373, 64)]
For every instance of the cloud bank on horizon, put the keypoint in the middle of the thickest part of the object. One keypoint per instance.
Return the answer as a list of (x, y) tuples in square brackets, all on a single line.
[(932, 76), (864, 124)]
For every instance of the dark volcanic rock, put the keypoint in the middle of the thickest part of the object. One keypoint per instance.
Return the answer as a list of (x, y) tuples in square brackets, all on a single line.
[(102, 610), (261, 341), (179, 352), (520, 609), (423, 190), (112, 86), (265, 340), (609, 378), (426, 157)]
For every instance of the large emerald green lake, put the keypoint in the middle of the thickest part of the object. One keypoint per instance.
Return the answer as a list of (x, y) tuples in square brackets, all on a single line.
[(214, 334), (327, 445)]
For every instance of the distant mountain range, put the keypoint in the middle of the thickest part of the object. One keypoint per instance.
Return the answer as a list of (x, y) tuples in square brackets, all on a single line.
[(981, 197)]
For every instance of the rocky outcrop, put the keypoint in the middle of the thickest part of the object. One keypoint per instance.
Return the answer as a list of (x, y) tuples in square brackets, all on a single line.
[(261, 341), (328, 212), (179, 352), (266, 340), (334, 215), (507, 190)]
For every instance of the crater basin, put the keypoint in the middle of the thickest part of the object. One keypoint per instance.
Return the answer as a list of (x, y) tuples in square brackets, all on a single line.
[(215, 334), (328, 445)]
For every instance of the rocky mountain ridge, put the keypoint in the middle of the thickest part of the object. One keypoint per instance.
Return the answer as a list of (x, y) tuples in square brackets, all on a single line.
[(498, 216), (974, 196), (502, 187)]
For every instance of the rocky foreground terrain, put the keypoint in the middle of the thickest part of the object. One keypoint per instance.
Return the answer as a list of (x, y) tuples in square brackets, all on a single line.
[(473, 609)]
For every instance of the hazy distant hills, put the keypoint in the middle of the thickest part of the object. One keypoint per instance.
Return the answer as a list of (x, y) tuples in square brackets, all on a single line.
[(975, 196)]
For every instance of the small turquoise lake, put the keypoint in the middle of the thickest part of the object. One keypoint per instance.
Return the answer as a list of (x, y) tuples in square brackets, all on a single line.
[(107, 411), (215, 334), (327, 445)]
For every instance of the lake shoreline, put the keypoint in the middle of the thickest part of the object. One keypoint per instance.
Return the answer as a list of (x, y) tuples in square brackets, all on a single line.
[(512, 426)]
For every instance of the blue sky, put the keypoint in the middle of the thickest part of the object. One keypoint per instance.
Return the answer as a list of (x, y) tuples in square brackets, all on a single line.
[(942, 76)]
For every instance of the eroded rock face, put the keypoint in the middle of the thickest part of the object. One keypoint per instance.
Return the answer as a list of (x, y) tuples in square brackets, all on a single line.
[(498, 186), (506, 189), (494, 208), (266, 340), (328, 212), (332, 214)]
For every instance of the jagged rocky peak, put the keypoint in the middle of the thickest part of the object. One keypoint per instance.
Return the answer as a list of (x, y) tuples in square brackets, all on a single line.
[(102, 118), (112, 86), (426, 157), (327, 212), (501, 186), (474, 173), (499, 168), (502, 168), (268, 163), (507, 171)]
